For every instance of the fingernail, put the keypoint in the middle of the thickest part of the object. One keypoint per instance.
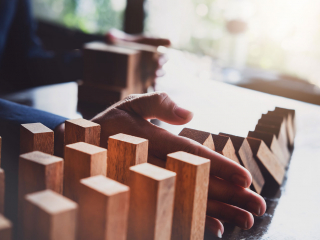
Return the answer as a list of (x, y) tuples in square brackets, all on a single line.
[(241, 222), (254, 208), (240, 180), (182, 113), (219, 235)]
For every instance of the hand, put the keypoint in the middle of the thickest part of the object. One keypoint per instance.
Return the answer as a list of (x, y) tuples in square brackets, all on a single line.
[(229, 198)]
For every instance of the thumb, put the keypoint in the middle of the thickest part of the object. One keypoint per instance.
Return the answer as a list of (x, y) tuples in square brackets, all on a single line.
[(156, 105)]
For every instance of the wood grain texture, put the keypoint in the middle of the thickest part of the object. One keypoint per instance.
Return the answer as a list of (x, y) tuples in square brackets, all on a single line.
[(151, 202), (125, 151), (36, 137), (190, 202), (2, 190), (82, 130), (245, 155), (224, 146), (5, 228), (103, 209), (82, 160), (204, 138), (48, 215)]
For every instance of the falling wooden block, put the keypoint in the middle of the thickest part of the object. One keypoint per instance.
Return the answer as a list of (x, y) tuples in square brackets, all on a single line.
[(48, 215), (2, 190), (5, 228), (224, 146), (269, 165), (125, 151), (204, 138), (36, 137), (82, 160), (103, 209), (82, 130), (190, 202), (151, 202), (245, 155)]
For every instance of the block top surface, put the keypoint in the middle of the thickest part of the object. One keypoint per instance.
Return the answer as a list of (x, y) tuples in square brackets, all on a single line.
[(41, 158), (196, 135), (86, 148), (4, 222), (189, 158), (152, 171), (104, 185), (254, 144), (236, 140), (128, 138), (51, 202), (83, 123), (219, 141), (100, 46), (36, 128)]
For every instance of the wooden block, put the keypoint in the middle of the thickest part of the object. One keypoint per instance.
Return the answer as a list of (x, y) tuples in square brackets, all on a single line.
[(103, 209), (151, 202), (269, 165), (190, 202), (5, 228), (48, 215), (204, 138), (224, 146), (125, 151), (36, 137), (291, 117), (2, 190), (245, 155), (82, 130), (82, 160)]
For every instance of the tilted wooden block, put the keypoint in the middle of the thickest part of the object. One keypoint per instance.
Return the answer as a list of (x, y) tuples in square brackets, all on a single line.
[(224, 146), (291, 117), (269, 165), (151, 202), (48, 215), (190, 202), (5, 228), (82, 130), (103, 209), (36, 137), (204, 138), (245, 155), (125, 151), (2, 190), (82, 160)]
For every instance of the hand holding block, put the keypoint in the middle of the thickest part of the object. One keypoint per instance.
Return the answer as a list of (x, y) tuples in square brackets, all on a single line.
[(204, 138), (190, 202), (103, 209), (2, 189), (151, 202), (82, 160), (5, 228), (82, 130), (36, 137), (49, 216), (125, 151), (224, 146)]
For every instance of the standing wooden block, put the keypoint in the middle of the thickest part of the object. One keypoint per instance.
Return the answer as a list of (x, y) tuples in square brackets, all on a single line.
[(190, 202), (245, 155), (82, 160), (125, 151), (2, 190), (224, 146), (36, 137), (82, 130), (48, 215), (204, 138), (5, 228), (270, 167), (291, 117), (151, 202), (103, 209)]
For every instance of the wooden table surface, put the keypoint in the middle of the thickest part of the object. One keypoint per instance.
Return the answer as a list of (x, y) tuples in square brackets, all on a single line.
[(293, 211)]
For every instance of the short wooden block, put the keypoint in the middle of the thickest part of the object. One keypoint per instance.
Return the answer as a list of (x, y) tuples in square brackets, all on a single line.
[(190, 202), (245, 155), (151, 202), (125, 151), (103, 209), (224, 146), (204, 138), (5, 228), (82, 160), (48, 215), (269, 165), (2, 190), (36, 137), (82, 130)]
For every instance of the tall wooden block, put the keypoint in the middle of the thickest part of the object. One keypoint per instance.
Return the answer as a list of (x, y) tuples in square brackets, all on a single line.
[(151, 202), (82, 130), (204, 138), (36, 137), (269, 165), (103, 209), (5, 228), (245, 155), (190, 202), (224, 146), (2, 190), (48, 215), (82, 160), (125, 151)]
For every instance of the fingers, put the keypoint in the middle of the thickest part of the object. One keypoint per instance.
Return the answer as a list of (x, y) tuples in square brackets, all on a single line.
[(214, 226), (154, 41)]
